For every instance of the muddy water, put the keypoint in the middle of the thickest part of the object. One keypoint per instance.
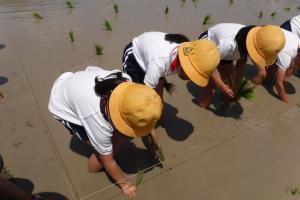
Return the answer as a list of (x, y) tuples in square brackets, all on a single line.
[(43, 48), (50, 35)]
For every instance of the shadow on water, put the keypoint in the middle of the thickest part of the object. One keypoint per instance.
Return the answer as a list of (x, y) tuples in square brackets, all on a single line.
[(80, 147), (23, 184), (220, 109), (3, 80), (131, 158), (177, 128)]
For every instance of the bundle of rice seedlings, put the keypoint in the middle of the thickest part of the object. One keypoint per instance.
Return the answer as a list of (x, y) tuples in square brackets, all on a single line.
[(107, 25), (71, 35), (139, 178), (37, 15), (69, 4), (245, 90), (242, 89)]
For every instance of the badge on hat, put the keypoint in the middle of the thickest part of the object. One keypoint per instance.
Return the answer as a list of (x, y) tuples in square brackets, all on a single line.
[(187, 50)]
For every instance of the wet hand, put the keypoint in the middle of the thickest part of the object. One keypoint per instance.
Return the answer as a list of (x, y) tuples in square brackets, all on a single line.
[(129, 190), (227, 91)]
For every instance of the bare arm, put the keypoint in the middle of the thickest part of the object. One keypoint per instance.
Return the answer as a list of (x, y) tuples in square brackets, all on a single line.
[(280, 77), (113, 169), (261, 74), (216, 77)]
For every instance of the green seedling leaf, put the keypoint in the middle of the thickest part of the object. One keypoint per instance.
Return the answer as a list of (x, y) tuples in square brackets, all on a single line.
[(166, 10), (207, 20), (107, 25), (139, 178), (231, 2), (37, 15), (116, 8), (99, 49), (298, 7), (287, 8), (71, 35), (69, 4)]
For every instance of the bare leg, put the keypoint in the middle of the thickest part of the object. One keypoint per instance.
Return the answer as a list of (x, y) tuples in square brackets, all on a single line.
[(94, 164), (207, 96)]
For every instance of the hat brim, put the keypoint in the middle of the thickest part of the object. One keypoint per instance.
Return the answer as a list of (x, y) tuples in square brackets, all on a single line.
[(190, 70), (254, 53), (120, 124)]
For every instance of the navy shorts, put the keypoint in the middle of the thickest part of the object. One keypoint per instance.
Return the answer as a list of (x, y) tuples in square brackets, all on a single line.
[(287, 25), (204, 35), (75, 130), (131, 66)]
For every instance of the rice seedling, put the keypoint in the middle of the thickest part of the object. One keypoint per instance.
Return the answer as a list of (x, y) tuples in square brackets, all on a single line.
[(37, 15), (116, 8), (166, 10), (157, 148), (139, 178), (241, 89), (183, 0), (99, 49), (69, 4), (170, 87), (298, 7), (231, 2), (260, 14), (107, 25), (273, 14), (295, 190), (207, 20), (71, 35), (287, 9)]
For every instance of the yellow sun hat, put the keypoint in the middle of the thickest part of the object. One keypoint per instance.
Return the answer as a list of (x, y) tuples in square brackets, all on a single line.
[(134, 109), (199, 59), (264, 43)]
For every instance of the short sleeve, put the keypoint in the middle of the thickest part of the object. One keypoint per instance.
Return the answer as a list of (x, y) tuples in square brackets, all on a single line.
[(283, 60), (99, 133), (153, 73)]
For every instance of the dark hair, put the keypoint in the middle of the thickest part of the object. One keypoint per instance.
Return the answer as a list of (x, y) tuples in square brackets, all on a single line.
[(108, 83), (176, 38), (240, 39)]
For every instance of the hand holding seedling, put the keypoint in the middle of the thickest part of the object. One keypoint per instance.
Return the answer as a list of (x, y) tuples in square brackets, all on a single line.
[(227, 91), (129, 189)]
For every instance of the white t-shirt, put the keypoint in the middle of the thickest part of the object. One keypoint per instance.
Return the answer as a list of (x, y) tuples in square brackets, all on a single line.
[(295, 25), (223, 35), (154, 55), (73, 99), (289, 50)]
